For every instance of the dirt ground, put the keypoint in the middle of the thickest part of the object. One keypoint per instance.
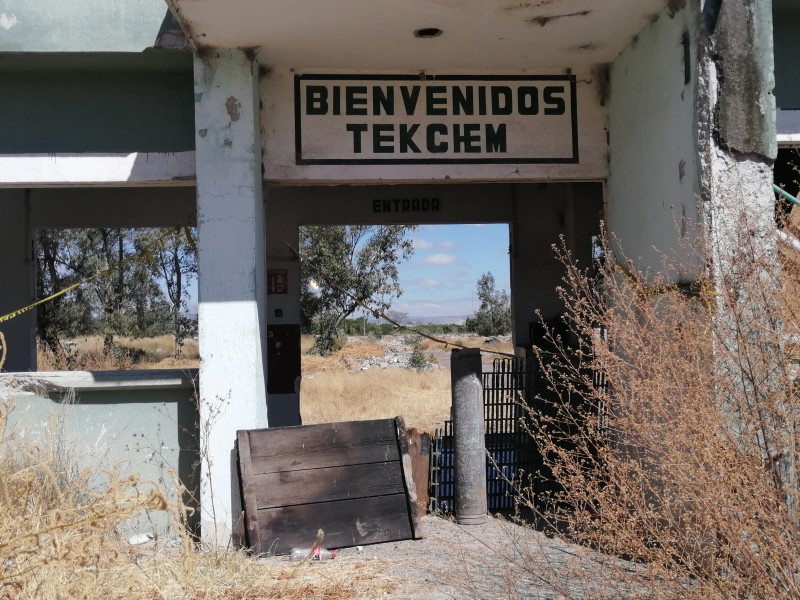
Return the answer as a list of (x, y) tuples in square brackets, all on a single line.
[(498, 559)]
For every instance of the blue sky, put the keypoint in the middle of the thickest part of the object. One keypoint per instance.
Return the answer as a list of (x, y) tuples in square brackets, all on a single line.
[(440, 278)]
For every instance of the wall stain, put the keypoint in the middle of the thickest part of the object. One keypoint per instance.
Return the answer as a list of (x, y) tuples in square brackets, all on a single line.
[(545, 19), (673, 6), (232, 106), (524, 5), (601, 77)]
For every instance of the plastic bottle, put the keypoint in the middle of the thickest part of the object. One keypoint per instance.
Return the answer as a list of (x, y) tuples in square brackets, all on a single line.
[(317, 554)]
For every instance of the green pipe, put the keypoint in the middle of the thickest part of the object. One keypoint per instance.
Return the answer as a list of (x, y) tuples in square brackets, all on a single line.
[(786, 195)]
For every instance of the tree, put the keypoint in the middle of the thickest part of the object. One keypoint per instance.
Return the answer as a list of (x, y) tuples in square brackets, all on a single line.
[(494, 315), (345, 266), (172, 256), (123, 271)]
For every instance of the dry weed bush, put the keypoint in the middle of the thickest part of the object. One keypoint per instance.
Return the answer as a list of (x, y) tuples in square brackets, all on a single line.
[(682, 459)]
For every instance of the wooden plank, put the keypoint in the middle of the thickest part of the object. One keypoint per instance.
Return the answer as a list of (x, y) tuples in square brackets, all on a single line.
[(420, 465), (345, 523), (408, 478), (290, 488), (326, 445), (252, 531)]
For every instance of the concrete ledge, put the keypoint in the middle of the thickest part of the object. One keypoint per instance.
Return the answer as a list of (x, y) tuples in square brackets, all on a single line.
[(156, 379)]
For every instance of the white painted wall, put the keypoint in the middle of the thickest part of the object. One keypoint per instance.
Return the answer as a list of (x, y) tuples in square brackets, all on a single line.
[(137, 168), (278, 126), (544, 215), (653, 183), (231, 281), (17, 281)]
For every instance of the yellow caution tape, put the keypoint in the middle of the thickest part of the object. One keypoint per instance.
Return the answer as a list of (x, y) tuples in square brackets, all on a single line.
[(25, 309)]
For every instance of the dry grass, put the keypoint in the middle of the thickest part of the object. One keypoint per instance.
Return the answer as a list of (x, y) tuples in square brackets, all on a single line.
[(422, 398), (130, 353)]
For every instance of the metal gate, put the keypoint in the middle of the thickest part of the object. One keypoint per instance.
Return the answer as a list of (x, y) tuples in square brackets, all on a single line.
[(508, 445)]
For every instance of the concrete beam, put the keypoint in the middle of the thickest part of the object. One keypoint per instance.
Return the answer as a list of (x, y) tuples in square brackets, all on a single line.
[(136, 168), (231, 282), (67, 208)]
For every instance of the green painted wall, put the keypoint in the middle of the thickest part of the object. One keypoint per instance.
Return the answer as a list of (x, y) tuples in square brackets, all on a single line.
[(787, 58), (72, 103), (81, 25), (150, 432)]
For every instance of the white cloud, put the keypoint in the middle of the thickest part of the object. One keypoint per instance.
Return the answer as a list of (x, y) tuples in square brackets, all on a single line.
[(422, 244), (447, 245), (440, 259)]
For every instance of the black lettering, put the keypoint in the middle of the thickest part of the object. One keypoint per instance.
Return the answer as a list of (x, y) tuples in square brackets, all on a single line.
[(316, 100), (426, 205), (433, 146), (357, 129), (432, 101), (528, 100), (407, 138), (415, 205), (396, 205), (410, 98), (406, 204), (383, 100), (380, 141), (463, 104), (495, 138), (376, 206), (501, 100), (435, 205), (469, 138), (354, 103), (387, 206), (481, 99), (554, 105), (337, 100)]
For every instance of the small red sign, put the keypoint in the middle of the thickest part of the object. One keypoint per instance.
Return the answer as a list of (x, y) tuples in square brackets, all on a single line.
[(277, 281)]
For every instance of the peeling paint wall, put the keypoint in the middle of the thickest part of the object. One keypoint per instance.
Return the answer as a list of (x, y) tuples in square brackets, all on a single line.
[(231, 273), (744, 73), (654, 168)]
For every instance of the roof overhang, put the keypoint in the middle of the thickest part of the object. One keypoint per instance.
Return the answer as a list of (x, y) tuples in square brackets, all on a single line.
[(477, 35)]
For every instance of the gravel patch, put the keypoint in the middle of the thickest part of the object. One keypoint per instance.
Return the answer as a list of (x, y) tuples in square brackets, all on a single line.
[(498, 559)]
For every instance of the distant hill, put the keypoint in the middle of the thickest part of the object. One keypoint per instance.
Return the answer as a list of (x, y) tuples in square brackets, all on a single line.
[(458, 320)]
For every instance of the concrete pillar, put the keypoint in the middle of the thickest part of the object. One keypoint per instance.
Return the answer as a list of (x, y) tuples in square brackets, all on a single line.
[(231, 282), (17, 281), (468, 437)]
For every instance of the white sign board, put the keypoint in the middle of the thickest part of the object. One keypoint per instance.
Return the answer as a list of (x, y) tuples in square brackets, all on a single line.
[(435, 119)]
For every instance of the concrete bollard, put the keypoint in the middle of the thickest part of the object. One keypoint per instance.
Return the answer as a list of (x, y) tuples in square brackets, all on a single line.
[(468, 437)]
